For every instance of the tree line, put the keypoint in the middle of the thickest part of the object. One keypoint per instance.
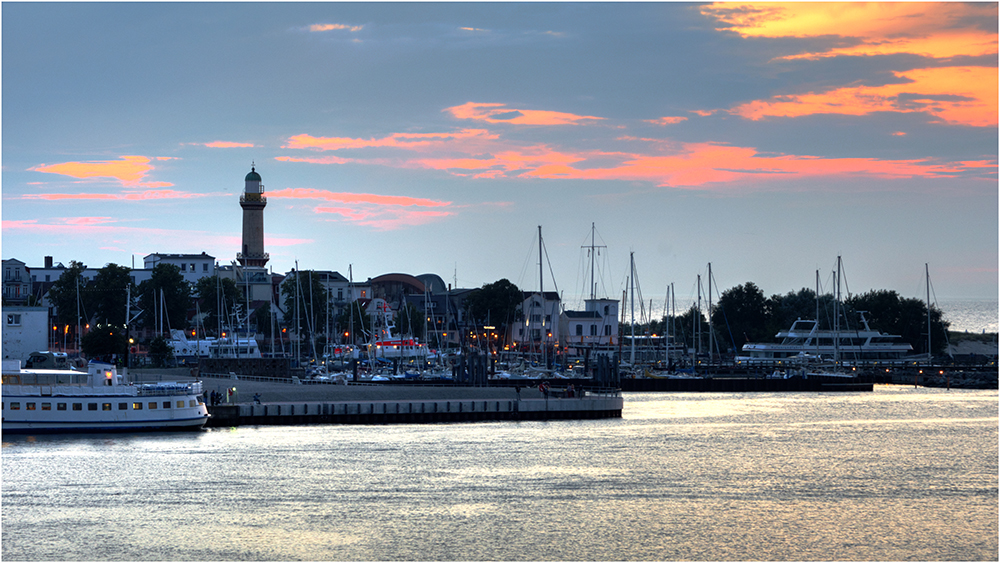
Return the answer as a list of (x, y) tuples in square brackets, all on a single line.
[(744, 314)]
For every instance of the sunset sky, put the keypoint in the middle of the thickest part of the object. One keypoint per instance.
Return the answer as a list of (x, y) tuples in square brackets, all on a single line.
[(765, 139)]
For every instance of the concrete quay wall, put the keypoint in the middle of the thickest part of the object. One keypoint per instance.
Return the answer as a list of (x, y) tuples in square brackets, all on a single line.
[(415, 411)]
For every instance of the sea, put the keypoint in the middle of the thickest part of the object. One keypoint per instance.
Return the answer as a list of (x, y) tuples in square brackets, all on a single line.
[(971, 315), (901, 473)]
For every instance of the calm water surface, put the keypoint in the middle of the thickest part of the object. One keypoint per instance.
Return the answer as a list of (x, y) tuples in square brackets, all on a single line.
[(899, 474)]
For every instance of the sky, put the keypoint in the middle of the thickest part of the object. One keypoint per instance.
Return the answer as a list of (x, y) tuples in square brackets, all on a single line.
[(763, 139)]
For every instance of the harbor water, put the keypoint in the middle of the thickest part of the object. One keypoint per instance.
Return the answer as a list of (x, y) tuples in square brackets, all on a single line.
[(901, 473)]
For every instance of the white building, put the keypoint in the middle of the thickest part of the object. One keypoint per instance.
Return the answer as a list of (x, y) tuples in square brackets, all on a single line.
[(25, 331), (536, 326), (193, 267), (16, 282)]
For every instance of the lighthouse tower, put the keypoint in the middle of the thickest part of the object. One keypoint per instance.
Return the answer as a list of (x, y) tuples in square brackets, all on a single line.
[(253, 202)]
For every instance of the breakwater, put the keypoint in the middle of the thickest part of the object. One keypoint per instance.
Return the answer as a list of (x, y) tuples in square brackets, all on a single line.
[(409, 411)]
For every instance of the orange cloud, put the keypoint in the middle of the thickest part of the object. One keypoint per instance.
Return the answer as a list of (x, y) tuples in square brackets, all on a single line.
[(130, 170), (939, 30), (497, 113), (957, 95), (228, 145)]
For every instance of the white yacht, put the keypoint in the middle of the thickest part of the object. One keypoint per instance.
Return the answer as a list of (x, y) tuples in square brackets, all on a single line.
[(804, 343), (98, 400)]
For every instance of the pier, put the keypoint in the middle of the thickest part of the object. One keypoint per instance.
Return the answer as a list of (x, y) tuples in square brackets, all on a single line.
[(415, 411)]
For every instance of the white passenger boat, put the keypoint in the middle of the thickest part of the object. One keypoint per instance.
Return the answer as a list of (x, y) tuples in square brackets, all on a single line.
[(804, 344), (98, 400)]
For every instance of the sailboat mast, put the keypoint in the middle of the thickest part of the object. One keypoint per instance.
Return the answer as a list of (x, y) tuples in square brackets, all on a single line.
[(631, 257), (541, 295), (836, 319), (927, 274), (711, 333)]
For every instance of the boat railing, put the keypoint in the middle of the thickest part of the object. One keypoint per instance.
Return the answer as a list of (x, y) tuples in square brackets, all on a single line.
[(68, 378), (165, 389)]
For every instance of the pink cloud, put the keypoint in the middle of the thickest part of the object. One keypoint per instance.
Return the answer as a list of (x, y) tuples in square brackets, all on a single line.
[(228, 145), (385, 219), (398, 140), (499, 113), (310, 193), (666, 120), (138, 196), (319, 27)]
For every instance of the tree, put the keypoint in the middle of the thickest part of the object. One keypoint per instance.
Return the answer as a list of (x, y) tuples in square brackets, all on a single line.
[(160, 352), (741, 312), (110, 290), (176, 297), (686, 325), (497, 303), (104, 341), (885, 310), (67, 296), (213, 292)]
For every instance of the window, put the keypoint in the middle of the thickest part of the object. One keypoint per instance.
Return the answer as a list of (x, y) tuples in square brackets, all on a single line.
[(192, 403), (105, 406), (166, 404), (92, 406), (180, 404), (192, 269), (152, 405), (204, 267), (605, 310), (607, 330), (78, 406), (13, 319), (30, 406), (183, 267), (15, 406), (593, 330), (123, 406), (46, 406), (579, 330), (137, 406)]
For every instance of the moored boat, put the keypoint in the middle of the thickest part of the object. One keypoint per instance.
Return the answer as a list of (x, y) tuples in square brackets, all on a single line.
[(98, 400)]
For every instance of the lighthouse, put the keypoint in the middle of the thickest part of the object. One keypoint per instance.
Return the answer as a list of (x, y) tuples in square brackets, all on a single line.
[(252, 201)]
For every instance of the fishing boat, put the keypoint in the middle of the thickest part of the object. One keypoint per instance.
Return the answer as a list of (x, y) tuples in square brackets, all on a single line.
[(386, 346), (96, 400)]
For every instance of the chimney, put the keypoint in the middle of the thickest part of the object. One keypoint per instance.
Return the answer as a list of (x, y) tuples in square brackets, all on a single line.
[(48, 262)]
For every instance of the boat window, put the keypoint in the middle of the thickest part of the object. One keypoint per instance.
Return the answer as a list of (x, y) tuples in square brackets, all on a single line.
[(91, 406), (152, 405), (166, 404), (137, 406), (60, 406), (105, 406), (123, 406), (192, 403), (180, 404), (78, 406), (30, 406), (46, 406), (15, 406)]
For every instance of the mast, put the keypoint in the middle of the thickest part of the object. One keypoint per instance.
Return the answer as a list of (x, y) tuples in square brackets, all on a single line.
[(816, 327), (711, 333), (836, 320), (541, 295), (927, 274), (631, 257)]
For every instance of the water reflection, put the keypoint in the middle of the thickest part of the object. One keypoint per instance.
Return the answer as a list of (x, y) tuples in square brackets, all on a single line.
[(680, 476)]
